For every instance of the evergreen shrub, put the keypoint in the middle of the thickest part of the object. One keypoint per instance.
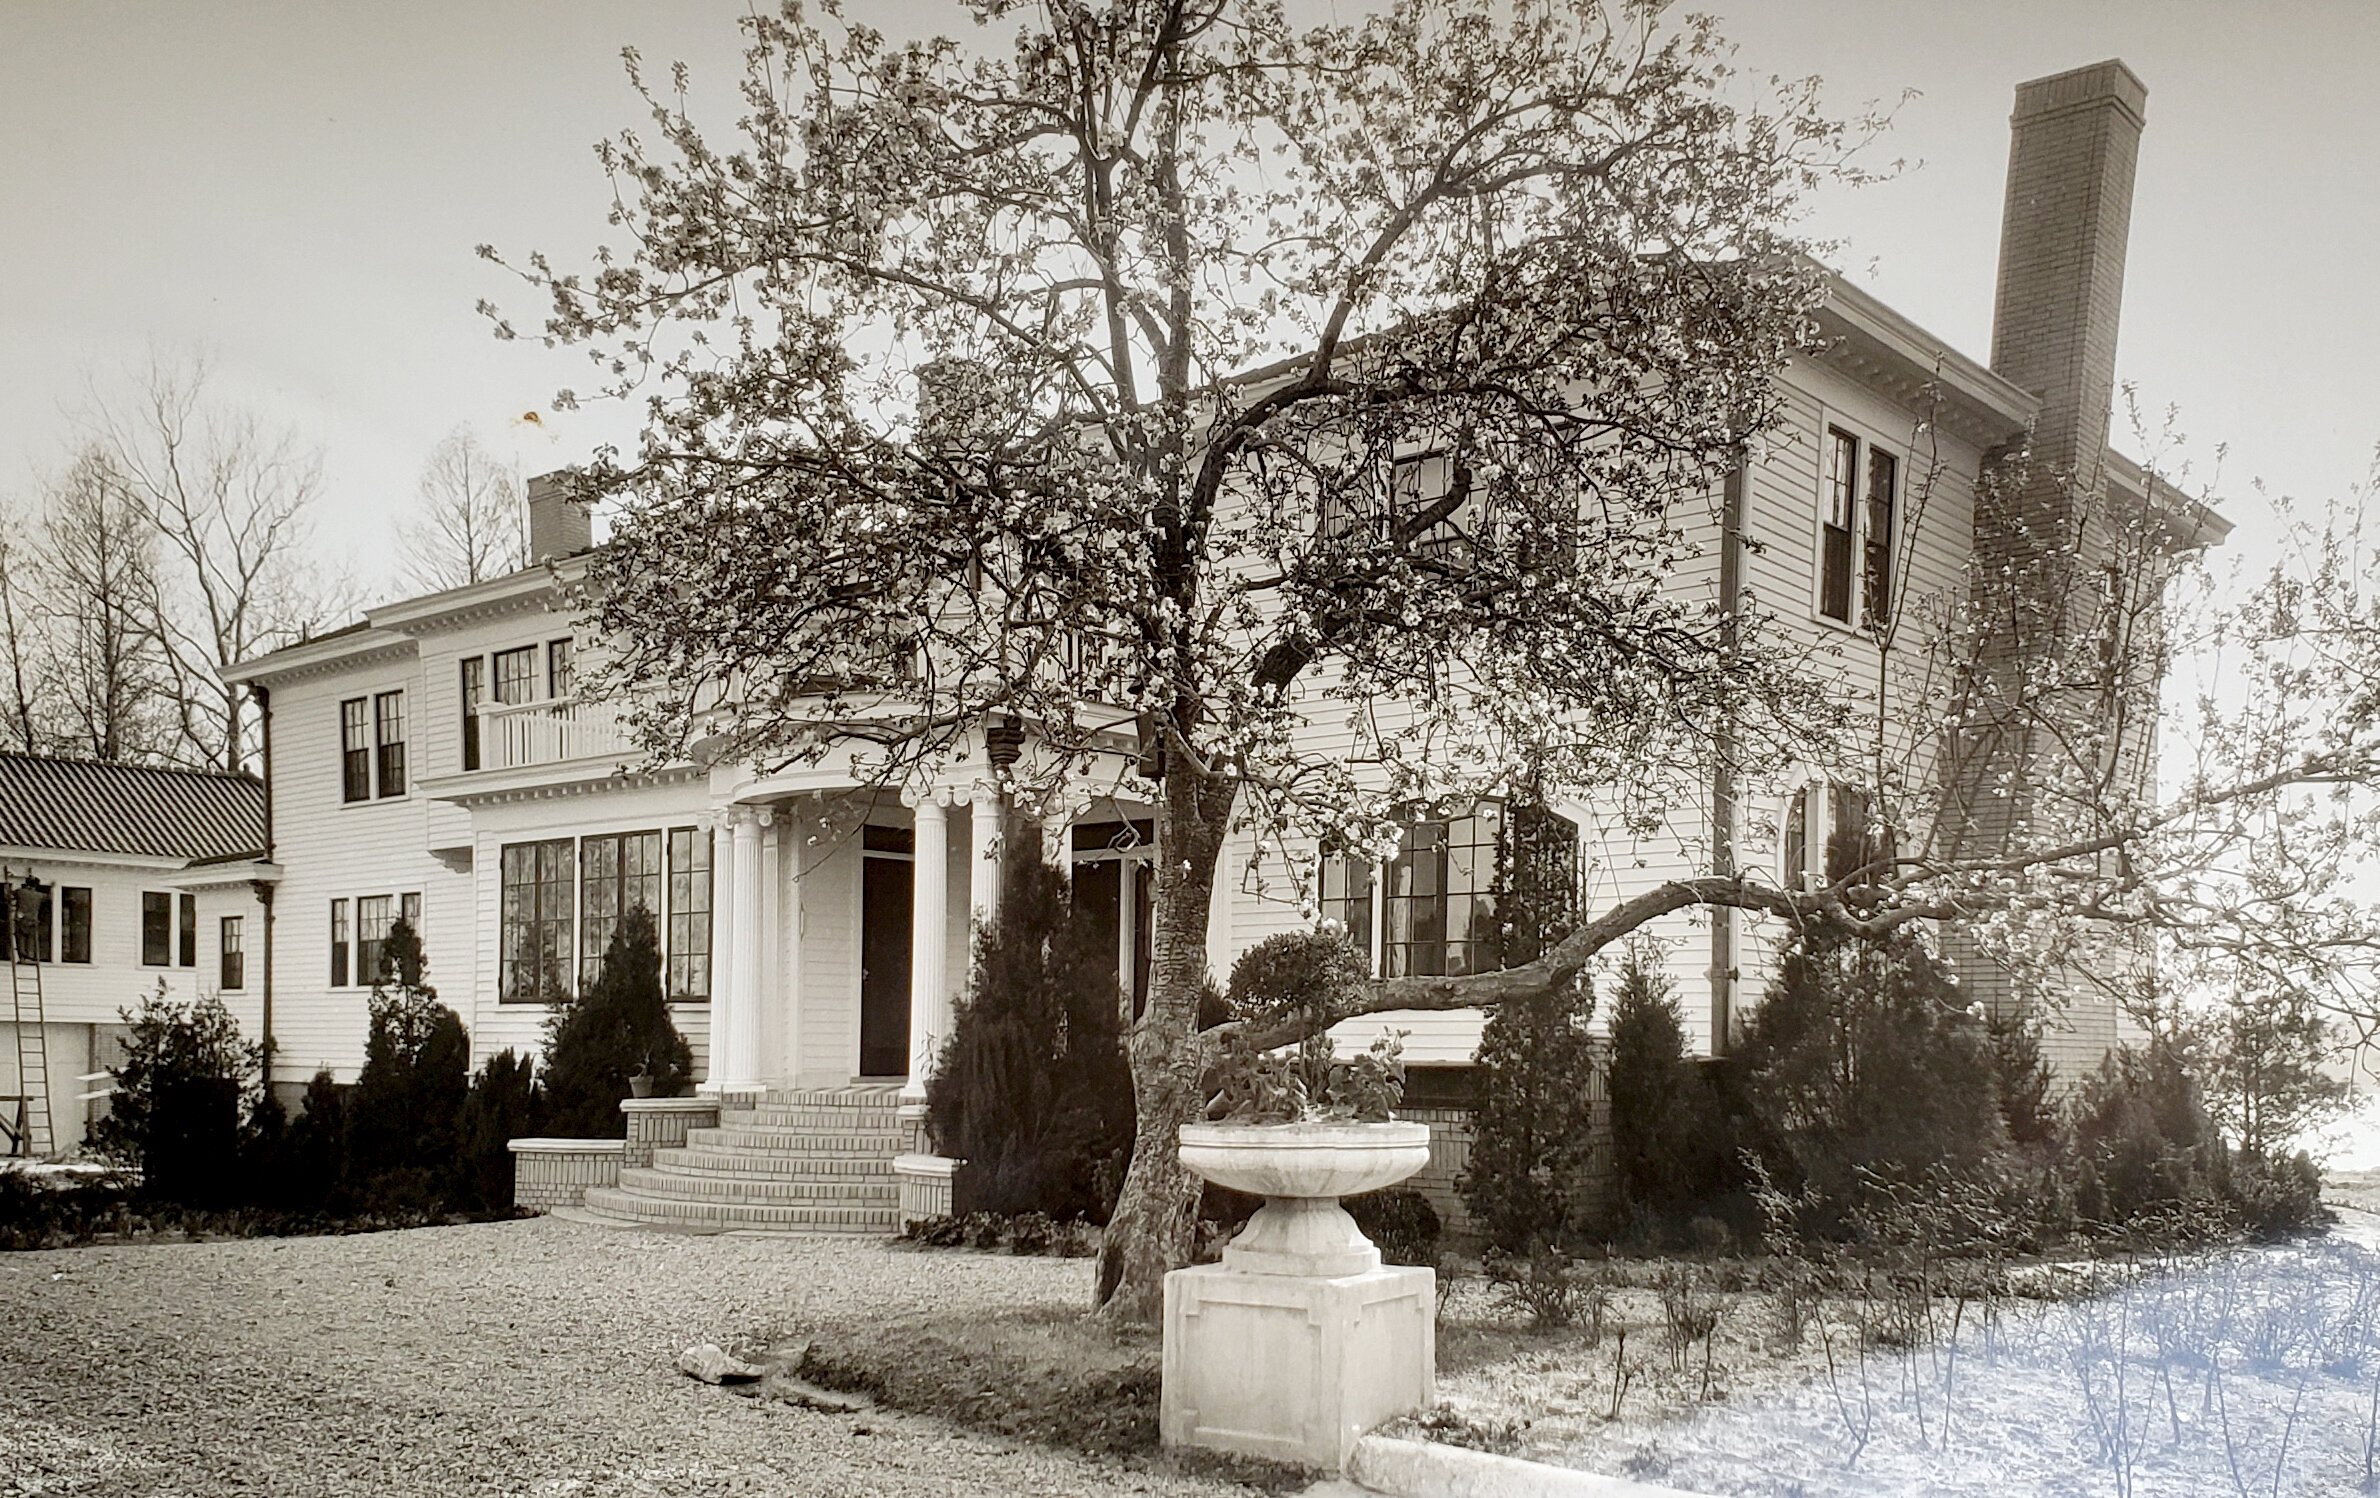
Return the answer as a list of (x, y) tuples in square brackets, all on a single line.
[(1033, 1093), (503, 1105), (404, 1116), (184, 1101), (619, 1027), (1530, 1181)]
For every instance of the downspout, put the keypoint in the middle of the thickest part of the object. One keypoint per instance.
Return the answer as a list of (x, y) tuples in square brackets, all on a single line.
[(1723, 973), (264, 887)]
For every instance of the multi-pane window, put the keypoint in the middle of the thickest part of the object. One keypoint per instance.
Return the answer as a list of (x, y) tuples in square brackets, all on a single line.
[(1842, 492), (1858, 527), (388, 715), (535, 941), (186, 950), (1876, 539), (475, 692), (689, 936), (234, 950), (1347, 896), (340, 939), (373, 916), (409, 911), (28, 927), (1441, 901), (516, 675), (617, 874), (74, 924), (156, 929), (560, 670), (355, 749)]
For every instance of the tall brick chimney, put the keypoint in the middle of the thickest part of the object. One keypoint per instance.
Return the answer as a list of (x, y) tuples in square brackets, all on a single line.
[(2041, 529), (559, 526), (2062, 237)]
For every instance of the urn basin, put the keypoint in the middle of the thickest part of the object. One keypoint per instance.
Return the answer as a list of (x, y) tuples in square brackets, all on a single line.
[(1302, 1169)]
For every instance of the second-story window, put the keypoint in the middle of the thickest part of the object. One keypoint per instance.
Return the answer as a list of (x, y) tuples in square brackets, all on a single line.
[(156, 929), (355, 749), (1876, 539), (388, 716), (234, 950), (516, 675), (1834, 543), (475, 692), (560, 670)]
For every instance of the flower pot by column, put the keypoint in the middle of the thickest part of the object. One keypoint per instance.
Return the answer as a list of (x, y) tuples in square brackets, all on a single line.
[(1301, 1339)]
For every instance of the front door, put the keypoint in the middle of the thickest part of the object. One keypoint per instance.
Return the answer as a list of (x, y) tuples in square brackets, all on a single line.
[(884, 901)]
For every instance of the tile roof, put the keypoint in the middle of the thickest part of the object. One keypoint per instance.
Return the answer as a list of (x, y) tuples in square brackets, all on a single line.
[(88, 806)]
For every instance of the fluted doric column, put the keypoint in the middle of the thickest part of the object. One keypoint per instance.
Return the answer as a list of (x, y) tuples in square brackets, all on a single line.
[(929, 934)]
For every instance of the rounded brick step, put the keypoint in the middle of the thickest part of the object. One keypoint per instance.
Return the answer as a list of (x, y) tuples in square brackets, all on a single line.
[(696, 1215)]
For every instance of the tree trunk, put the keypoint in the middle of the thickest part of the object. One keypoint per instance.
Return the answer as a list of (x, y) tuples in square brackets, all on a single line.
[(1150, 1232)]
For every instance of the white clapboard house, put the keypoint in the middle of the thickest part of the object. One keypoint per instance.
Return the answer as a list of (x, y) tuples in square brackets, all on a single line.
[(437, 762)]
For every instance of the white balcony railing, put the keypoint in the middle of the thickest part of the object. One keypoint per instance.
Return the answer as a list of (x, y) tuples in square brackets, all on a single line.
[(548, 733)]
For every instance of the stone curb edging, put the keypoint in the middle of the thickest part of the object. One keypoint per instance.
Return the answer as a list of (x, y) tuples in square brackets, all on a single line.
[(1425, 1469)]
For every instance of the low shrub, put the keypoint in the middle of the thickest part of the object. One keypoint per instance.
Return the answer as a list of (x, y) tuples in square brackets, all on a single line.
[(1028, 1234), (1400, 1222)]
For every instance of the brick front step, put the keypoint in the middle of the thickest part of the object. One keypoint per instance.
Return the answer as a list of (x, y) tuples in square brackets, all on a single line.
[(692, 1186), (817, 1142), (774, 1166), (693, 1215), (837, 1120), (887, 1096)]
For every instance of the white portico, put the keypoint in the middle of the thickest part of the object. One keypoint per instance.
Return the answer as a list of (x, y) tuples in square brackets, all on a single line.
[(845, 925)]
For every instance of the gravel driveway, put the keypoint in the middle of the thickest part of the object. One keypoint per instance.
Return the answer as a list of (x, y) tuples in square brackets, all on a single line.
[(525, 1357)]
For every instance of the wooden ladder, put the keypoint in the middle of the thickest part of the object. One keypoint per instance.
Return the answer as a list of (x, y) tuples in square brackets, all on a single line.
[(30, 1134)]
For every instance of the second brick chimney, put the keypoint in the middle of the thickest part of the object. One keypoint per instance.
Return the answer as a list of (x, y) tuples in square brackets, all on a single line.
[(559, 526)]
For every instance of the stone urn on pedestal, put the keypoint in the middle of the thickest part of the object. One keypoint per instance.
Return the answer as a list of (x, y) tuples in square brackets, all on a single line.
[(1301, 1339)]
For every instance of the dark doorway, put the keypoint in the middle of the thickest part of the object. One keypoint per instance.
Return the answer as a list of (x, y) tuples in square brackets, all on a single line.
[(886, 888)]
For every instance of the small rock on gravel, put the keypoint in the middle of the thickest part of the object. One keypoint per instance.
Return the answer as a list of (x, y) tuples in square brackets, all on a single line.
[(711, 1363)]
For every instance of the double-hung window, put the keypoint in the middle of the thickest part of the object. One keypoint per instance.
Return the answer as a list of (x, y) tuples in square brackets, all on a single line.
[(233, 974), (561, 670), (1834, 541), (516, 675), (341, 938), (1831, 833), (1858, 523), (475, 692), (373, 915), (186, 949), (388, 716), (156, 929), (74, 924), (355, 749)]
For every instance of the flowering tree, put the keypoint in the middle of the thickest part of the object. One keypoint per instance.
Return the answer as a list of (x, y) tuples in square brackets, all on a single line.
[(1179, 379)]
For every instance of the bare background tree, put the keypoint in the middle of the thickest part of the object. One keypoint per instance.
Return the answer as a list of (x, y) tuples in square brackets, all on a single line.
[(229, 503), (175, 543), (470, 527), (102, 670)]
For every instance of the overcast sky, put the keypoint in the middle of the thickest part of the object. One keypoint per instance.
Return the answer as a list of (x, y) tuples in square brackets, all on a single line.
[(295, 188)]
